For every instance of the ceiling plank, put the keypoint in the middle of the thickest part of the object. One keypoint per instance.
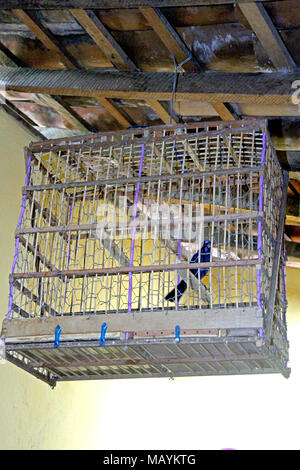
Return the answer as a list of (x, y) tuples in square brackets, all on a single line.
[(103, 38), (62, 108), (46, 37), (114, 111), (212, 87), (23, 120), (170, 38), (268, 35), (223, 111), (108, 4), (9, 107), (10, 59), (54, 102), (160, 111)]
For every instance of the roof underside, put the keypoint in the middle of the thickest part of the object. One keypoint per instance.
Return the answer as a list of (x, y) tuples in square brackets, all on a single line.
[(219, 37)]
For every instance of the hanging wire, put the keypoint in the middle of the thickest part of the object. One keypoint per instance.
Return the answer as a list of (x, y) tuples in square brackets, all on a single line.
[(176, 68)]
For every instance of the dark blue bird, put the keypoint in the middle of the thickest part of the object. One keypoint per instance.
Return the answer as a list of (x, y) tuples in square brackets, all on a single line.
[(198, 273)]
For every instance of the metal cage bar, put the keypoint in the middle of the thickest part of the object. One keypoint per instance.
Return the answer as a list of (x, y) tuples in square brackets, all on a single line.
[(181, 221)]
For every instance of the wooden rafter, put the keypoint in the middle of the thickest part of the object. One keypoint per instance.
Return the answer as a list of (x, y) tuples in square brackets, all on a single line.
[(103, 38), (56, 4), (268, 35), (20, 117), (109, 46), (46, 37), (223, 111), (211, 87), (10, 58), (107, 104), (160, 111), (170, 38), (9, 107), (62, 108), (54, 102), (50, 42)]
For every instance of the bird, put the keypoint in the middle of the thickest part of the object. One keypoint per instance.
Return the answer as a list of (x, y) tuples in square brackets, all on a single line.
[(198, 273)]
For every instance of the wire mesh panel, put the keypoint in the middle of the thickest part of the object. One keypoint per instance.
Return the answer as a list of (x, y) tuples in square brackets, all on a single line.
[(143, 228)]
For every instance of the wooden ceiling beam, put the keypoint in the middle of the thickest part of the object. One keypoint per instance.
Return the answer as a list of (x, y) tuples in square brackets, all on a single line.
[(212, 87), (50, 42), (10, 59), (7, 105), (54, 102), (21, 118), (170, 38), (160, 111), (62, 108), (103, 38), (223, 111), (267, 34), (107, 104), (109, 4), (46, 37)]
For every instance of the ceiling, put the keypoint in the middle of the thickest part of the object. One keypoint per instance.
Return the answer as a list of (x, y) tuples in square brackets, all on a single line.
[(67, 69)]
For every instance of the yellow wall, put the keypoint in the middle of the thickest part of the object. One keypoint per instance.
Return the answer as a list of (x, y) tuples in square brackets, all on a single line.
[(247, 412)]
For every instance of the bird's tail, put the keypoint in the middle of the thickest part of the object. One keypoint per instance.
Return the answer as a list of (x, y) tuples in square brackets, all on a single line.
[(180, 289)]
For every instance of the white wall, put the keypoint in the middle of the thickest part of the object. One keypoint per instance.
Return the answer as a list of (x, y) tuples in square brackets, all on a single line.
[(246, 412)]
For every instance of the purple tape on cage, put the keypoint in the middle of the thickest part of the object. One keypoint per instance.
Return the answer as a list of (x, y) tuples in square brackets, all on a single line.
[(261, 197), (133, 230), (283, 282), (259, 239), (264, 149), (17, 242), (261, 332), (283, 270), (70, 217), (258, 288), (259, 225), (69, 253), (284, 291), (126, 339), (179, 254)]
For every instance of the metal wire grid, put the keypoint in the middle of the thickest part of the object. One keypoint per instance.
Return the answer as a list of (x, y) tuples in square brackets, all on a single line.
[(156, 358), (64, 267), (279, 323), (60, 219), (155, 132), (272, 197), (66, 169)]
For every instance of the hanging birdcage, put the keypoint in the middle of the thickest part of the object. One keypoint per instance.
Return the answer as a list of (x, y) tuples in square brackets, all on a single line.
[(148, 253)]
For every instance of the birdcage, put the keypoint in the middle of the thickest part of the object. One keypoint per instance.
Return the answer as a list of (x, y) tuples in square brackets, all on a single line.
[(150, 252)]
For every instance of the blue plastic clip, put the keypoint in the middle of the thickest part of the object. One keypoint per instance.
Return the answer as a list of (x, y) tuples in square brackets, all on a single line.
[(103, 332), (57, 336), (126, 339), (177, 334)]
